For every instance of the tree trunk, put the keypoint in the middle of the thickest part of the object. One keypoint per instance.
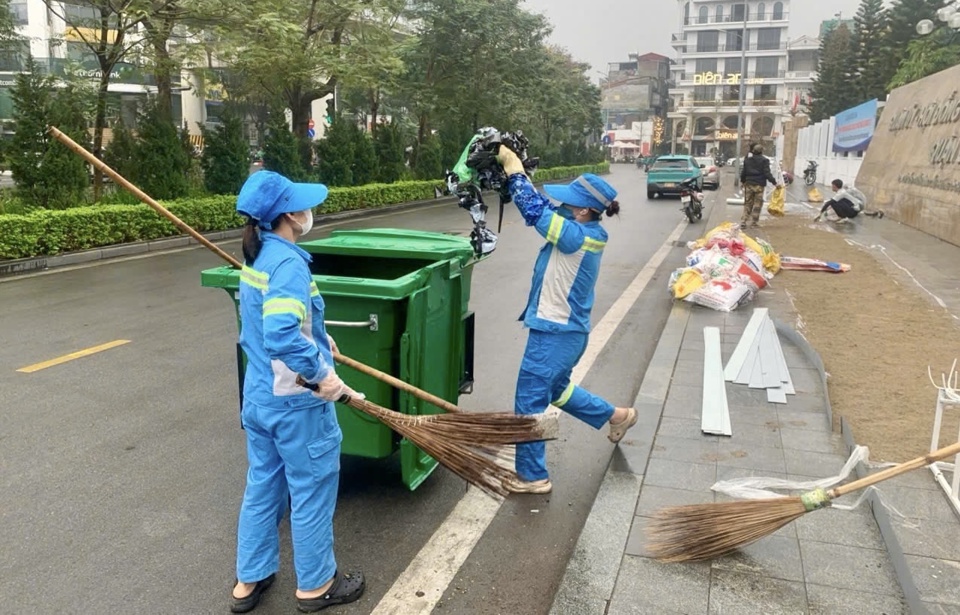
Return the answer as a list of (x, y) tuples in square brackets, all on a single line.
[(99, 124), (374, 109), (163, 69)]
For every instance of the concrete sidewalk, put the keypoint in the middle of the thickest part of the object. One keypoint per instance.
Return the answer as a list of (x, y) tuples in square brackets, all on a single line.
[(831, 561)]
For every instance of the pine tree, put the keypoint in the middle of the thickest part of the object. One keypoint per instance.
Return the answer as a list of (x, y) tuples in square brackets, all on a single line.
[(47, 174), (364, 159), (873, 71), (429, 154), (163, 165), (224, 160), (121, 153), (904, 16), (281, 150), (390, 153), (832, 89), (337, 152)]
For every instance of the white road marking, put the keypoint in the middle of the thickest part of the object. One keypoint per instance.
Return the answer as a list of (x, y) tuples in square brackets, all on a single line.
[(418, 589)]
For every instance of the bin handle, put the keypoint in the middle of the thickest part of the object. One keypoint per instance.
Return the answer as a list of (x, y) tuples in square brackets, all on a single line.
[(373, 323)]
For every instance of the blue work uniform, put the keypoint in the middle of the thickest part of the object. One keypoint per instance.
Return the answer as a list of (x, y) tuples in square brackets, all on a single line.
[(293, 438), (558, 316)]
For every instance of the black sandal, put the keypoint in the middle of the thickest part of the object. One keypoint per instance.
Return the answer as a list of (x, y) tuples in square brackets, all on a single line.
[(346, 588), (251, 600)]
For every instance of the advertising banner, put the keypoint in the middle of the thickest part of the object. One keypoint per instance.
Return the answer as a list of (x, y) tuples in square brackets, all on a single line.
[(853, 128)]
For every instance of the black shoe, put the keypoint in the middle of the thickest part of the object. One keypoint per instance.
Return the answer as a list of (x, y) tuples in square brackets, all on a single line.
[(346, 588), (250, 601)]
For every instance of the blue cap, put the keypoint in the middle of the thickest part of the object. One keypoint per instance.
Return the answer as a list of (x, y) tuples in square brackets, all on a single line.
[(588, 190), (265, 195)]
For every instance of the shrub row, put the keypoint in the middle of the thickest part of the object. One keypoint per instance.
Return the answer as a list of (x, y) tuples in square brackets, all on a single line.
[(50, 232)]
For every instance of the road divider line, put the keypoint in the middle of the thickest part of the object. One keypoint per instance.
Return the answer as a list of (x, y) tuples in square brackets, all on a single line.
[(86, 352), (422, 584)]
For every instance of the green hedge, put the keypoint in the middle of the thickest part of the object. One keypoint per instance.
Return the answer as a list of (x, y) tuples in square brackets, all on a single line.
[(49, 232)]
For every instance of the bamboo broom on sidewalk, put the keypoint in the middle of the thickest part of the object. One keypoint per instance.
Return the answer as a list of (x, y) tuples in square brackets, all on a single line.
[(470, 445), (705, 531)]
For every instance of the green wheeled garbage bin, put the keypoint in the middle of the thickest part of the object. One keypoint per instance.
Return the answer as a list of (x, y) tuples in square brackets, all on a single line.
[(398, 301)]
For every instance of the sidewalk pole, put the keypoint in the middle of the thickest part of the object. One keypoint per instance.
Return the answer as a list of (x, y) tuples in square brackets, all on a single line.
[(743, 94)]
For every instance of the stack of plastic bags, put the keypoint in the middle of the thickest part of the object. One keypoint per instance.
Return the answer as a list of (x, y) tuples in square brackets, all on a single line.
[(725, 269)]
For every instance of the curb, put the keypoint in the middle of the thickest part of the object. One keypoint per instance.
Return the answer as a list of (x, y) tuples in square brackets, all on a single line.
[(43, 263), (880, 513), (603, 538)]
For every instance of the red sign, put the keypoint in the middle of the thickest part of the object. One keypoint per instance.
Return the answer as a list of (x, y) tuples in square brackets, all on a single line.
[(310, 123)]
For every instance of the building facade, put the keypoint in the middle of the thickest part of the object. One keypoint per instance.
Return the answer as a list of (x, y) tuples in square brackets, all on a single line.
[(635, 91), (714, 39)]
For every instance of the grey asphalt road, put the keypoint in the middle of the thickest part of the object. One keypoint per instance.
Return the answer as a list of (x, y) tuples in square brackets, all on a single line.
[(121, 473)]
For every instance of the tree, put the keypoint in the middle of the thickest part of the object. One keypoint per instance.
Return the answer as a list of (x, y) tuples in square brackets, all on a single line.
[(337, 151), (903, 18), (163, 164), (364, 158), (121, 153), (926, 56), (224, 160), (391, 154), (832, 91), (103, 28), (428, 162), (46, 172), (281, 150), (872, 69)]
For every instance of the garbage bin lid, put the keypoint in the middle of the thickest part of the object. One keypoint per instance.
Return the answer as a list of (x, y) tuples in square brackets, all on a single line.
[(394, 243)]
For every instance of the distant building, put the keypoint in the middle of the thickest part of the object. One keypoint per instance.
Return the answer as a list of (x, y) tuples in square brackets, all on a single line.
[(635, 91)]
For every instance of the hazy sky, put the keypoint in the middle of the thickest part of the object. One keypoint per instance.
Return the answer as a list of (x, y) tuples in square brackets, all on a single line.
[(602, 31)]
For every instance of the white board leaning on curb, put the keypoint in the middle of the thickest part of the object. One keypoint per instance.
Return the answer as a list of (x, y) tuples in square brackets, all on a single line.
[(758, 360), (715, 417)]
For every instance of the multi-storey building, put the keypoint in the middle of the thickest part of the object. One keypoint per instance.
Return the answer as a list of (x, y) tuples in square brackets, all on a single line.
[(714, 39), (635, 91)]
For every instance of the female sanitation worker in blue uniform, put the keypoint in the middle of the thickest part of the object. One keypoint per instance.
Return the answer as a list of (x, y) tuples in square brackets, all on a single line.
[(293, 439), (558, 310)]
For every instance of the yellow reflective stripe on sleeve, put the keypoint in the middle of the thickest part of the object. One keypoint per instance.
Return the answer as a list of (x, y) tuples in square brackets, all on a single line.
[(274, 307), (556, 225), (593, 245), (254, 278), (565, 396), (314, 291)]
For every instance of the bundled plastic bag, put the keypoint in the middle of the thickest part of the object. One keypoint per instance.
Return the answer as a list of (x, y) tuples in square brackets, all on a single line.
[(777, 201)]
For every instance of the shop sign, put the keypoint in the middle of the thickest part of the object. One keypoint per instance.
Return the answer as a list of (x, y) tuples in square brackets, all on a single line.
[(709, 78)]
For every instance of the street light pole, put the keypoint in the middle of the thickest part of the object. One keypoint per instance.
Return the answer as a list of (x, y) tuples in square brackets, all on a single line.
[(743, 94)]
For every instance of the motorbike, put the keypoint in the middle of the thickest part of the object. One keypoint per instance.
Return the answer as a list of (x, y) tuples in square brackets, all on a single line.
[(810, 173), (787, 178), (691, 199)]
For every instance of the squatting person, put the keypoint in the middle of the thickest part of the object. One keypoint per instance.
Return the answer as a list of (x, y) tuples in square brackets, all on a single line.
[(558, 310), (847, 202), (293, 438)]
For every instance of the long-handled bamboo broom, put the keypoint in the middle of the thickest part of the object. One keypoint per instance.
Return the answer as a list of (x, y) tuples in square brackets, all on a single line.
[(470, 445), (706, 531)]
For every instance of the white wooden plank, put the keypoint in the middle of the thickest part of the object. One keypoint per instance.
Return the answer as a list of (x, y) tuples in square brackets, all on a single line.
[(739, 356), (714, 387), (756, 375), (769, 361), (785, 377), (777, 395), (749, 363)]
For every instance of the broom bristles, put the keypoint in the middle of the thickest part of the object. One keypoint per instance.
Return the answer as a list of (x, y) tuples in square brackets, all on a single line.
[(705, 531)]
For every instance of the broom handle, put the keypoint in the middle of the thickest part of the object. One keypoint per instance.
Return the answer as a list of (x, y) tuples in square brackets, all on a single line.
[(896, 470), (140, 194), (186, 228), (396, 382)]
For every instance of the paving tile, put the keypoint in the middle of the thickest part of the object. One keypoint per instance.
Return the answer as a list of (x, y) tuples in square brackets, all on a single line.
[(802, 420), (914, 504), (766, 417), (691, 354), (775, 556), (916, 480), (637, 540), (689, 428), (937, 580), (801, 440), (684, 402), (831, 601), (805, 402), (737, 455), (680, 474), (854, 528), (806, 381), (653, 498), (848, 567), (645, 586), (736, 593), (817, 464), (740, 395), (688, 374), (685, 449), (755, 435), (929, 538)]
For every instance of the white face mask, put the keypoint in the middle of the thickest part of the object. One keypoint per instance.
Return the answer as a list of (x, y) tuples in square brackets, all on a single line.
[(306, 226)]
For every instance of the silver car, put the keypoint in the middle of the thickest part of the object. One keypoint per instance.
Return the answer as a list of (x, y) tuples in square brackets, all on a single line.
[(711, 173)]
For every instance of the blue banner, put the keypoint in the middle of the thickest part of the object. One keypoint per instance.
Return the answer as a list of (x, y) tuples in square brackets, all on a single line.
[(853, 128)]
